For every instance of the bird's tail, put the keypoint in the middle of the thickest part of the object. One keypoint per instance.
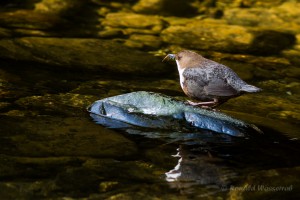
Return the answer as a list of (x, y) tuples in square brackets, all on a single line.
[(250, 88)]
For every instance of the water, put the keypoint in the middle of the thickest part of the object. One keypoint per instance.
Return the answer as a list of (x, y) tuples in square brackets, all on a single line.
[(51, 150)]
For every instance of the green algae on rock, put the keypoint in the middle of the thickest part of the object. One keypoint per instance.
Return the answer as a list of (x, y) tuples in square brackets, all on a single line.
[(152, 110)]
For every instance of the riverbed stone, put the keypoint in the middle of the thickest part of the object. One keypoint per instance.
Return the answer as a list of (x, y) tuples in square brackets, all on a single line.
[(68, 104), (282, 17), (157, 111), (71, 136), (110, 33), (165, 7), (10, 87), (154, 24), (268, 184), (89, 54), (201, 35), (209, 35), (26, 189), (26, 167), (144, 41), (293, 55), (56, 7), (4, 32), (263, 104), (27, 19)]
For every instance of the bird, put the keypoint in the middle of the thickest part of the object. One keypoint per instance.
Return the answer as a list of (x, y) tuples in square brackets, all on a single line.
[(207, 82)]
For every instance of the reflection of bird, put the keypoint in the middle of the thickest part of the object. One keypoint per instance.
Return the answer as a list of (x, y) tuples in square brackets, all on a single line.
[(208, 81)]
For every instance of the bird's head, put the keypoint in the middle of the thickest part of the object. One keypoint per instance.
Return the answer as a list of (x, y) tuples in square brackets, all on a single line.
[(184, 58)]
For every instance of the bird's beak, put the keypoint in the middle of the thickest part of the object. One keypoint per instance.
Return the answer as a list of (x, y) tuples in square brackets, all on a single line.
[(169, 57)]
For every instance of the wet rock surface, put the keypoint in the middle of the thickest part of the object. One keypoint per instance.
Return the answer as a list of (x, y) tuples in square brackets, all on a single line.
[(152, 110), (72, 138), (236, 27), (58, 57), (90, 54), (210, 35)]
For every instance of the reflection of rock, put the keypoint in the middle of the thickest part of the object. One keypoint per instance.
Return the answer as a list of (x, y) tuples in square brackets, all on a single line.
[(194, 169), (154, 110), (93, 54)]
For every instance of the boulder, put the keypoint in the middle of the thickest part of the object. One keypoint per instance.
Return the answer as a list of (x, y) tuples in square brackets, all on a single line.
[(165, 7), (88, 54), (153, 110), (143, 41), (122, 20), (283, 17), (217, 35)]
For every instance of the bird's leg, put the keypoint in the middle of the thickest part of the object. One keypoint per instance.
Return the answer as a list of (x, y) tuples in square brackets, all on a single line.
[(207, 104)]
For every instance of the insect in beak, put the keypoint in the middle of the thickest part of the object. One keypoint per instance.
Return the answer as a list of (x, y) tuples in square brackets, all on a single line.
[(169, 57)]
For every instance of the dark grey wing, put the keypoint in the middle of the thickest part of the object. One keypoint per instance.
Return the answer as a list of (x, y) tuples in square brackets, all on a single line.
[(219, 87), (209, 80)]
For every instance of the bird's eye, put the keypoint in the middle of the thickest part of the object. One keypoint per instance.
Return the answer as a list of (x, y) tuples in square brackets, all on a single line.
[(178, 57)]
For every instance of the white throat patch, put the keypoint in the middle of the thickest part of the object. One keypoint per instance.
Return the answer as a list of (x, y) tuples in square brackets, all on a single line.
[(180, 70)]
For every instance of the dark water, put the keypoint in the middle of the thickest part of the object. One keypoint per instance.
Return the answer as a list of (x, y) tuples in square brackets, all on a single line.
[(46, 152)]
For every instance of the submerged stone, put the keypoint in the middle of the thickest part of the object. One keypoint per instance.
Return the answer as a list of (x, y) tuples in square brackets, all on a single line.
[(62, 137), (153, 110), (268, 184)]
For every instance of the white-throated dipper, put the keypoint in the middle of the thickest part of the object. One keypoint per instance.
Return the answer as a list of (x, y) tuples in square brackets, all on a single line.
[(207, 81)]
